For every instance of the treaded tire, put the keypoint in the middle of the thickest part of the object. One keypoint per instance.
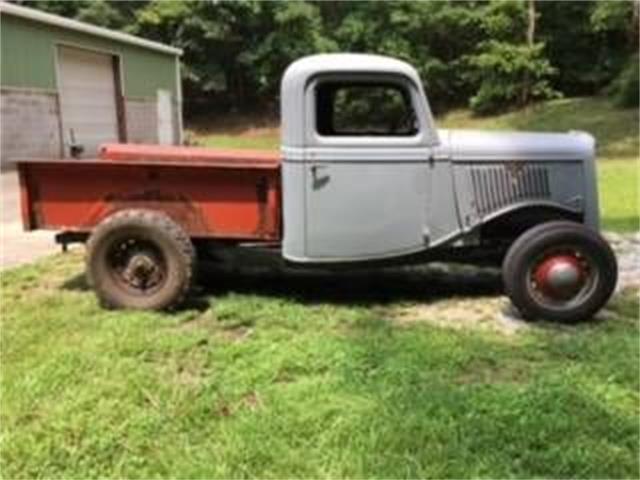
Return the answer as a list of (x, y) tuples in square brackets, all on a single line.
[(172, 254), (544, 237)]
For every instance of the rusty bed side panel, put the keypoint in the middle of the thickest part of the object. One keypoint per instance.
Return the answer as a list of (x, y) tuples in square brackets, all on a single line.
[(209, 202)]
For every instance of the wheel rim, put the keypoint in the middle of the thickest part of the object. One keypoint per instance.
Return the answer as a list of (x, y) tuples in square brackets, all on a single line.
[(562, 278), (137, 265)]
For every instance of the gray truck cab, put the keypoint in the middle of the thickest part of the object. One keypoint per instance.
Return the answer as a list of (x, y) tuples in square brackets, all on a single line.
[(366, 175), (354, 192)]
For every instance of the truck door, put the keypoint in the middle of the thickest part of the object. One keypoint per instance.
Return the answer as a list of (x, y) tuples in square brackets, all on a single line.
[(366, 168)]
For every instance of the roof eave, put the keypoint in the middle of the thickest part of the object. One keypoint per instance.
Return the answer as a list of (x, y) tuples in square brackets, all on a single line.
[(62, 22)]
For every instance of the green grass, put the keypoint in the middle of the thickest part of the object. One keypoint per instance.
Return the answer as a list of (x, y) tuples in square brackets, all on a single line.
[(270, 141), (307, 377), (618, 184), (615, 129), (397, 374), (616, 132)]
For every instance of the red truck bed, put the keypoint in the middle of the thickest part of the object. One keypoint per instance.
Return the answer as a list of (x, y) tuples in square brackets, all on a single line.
[(224, 194)]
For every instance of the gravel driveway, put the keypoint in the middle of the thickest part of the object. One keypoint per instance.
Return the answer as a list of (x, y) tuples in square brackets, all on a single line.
[(17, 246), (627, 248)]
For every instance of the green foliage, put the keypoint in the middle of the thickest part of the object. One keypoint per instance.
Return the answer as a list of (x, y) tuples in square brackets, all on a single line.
[(611, 16), (432, 36), (295, 30), (504, 20), (235, 52), (105, 13), (588, 42), (370, 109), (510, 75)]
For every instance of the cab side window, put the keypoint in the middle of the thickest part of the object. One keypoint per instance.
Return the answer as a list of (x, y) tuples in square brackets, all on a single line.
[(364, 109)]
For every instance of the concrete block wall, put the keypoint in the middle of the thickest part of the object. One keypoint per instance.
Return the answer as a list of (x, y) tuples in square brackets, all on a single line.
[(29, 123)]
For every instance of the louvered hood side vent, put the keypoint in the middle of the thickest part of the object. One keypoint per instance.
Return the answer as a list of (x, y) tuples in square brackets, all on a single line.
[(495, 187)]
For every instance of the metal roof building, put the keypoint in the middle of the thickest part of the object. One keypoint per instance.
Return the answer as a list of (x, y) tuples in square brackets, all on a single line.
[(68, 85)]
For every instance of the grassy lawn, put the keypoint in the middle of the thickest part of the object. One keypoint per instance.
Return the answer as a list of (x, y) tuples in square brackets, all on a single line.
[(405, 373), (618, 184), (267, 376)]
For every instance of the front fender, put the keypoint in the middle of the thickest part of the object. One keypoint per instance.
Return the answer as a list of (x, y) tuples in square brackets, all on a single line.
[(554, 209)]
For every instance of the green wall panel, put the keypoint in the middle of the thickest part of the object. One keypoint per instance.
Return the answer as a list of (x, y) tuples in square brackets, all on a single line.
[(28, 58)]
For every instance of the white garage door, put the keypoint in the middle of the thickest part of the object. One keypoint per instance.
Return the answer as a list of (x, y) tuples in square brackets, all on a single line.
[(87, 98)]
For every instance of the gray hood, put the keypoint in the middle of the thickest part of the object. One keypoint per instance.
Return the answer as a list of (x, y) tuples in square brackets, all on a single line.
[(484, 145)]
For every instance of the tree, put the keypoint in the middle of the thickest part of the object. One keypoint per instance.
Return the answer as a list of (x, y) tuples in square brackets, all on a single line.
[(619, 20), (510, 69), (293, 30), (109, 14), (432, 36), (492, 54), (531, 33), (214, 37)]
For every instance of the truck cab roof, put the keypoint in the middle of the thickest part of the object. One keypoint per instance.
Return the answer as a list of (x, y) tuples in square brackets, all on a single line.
[(302, 71), (298, 73)]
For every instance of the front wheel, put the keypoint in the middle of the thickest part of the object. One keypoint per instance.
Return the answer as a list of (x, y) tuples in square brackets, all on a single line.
[(140, 259), (559, 271)]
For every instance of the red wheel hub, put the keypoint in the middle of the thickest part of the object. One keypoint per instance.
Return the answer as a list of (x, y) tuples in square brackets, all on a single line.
[(560, 276)]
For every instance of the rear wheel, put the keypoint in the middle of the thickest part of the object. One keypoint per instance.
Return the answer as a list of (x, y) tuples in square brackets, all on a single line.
[(559, 271), (140, 259)]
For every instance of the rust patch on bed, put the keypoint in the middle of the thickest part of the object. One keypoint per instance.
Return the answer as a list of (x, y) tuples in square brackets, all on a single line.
[(177, 206)]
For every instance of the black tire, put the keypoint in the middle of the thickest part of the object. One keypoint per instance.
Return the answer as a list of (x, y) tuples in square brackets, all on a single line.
[(140, 259), (524, 265)]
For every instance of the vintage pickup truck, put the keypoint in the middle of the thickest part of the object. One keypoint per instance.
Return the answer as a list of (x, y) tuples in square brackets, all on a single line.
[(363, 179)]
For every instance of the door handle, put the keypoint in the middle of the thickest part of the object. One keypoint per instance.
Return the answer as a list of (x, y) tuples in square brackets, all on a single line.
[(318, 181), (316, 168)]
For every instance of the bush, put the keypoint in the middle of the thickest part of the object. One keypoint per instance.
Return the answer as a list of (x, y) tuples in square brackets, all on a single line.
[(509, 75)]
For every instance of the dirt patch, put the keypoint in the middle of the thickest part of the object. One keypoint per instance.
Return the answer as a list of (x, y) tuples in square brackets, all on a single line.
[(190, 376), (483, 313), (250, 401), (237, 334), (203, 321), (495, 313), (18, 247), (627, 248)]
